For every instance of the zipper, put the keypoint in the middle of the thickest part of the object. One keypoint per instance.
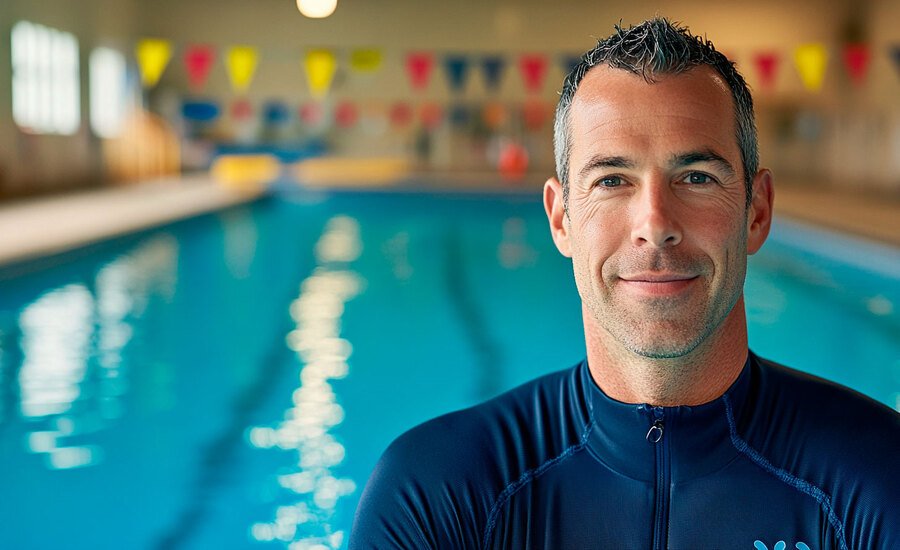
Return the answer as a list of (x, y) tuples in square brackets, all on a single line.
[(661, 444)]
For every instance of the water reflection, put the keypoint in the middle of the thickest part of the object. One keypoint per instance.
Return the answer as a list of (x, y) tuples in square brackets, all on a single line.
[(306, 524), (514, 251), (72, 376), (397, 250), (240, 236), (56, 332)]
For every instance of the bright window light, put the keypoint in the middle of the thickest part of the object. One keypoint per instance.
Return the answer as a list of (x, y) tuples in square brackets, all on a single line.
[(107, 89), (45, 79)]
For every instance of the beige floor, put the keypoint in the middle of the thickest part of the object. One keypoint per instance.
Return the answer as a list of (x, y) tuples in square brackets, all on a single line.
[(39, 227), (43, 226), (874, 217)]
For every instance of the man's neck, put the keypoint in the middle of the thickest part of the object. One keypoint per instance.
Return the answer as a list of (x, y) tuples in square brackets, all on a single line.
[(699, 377)]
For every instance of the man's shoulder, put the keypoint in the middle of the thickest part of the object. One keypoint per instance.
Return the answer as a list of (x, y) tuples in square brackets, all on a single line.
[(819, 429), (833, 443), (818, 402), (519, 428), (436, 484)]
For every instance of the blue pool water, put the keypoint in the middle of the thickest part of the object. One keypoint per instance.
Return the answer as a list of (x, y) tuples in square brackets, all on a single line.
[(229, 381)]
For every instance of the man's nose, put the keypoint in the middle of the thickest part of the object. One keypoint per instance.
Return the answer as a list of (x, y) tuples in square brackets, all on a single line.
[(654, 222)]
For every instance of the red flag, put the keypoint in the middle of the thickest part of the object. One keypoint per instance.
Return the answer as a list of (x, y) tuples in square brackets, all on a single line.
[(535, 114), (430, 115), (533, 68), (311, 113), (856, 59), (767, 66), (242, 109), (345, 114), (198, 60), (401, 114), (494, 115), (418, 66)]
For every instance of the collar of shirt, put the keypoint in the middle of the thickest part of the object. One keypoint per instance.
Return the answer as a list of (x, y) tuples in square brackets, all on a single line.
[(697, 439)]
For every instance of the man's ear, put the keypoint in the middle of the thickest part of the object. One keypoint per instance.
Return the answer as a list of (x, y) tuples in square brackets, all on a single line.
[(554, 205), (759, 216)]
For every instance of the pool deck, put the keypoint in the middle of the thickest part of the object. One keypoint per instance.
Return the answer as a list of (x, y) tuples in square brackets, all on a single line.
[(51, 225), (45, 226), (875, 218)]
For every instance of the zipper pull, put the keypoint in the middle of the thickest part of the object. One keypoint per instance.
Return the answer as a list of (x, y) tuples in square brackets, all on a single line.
[(656, 431)]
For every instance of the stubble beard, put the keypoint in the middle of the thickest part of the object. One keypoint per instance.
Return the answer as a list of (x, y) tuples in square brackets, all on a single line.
[(666, 327), (662, 338)]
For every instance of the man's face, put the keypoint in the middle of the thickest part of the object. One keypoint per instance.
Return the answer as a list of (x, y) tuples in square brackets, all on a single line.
[(657, 226)]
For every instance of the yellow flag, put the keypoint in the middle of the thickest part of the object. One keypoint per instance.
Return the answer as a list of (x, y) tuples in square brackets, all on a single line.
[(366, 61), (320, 68), (811, 60), (153, 55), (241, 63)]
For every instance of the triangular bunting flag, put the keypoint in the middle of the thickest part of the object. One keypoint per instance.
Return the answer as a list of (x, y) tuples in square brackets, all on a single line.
[(311, 114), (345, 114), (152, 56), (418, 67), (533, 68), (492, 69), (856, 60), (766, 64), (365, 61), (459, 116), (535, 114), (457, 69), (241, 65), (401, 114), (276, 113), (493, 115), (811, 60), (320, 68), (198, 60), (242, 109), (568, 62), (430, 115), (895, 55), (199, 111)]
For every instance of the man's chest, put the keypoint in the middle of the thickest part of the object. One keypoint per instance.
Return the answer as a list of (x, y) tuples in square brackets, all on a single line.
[(590, 506)]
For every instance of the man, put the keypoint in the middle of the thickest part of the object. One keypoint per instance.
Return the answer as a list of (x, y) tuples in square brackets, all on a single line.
[(671, 434)]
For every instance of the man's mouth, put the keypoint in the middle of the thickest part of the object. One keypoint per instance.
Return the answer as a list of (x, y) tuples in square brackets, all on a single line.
[(658, 283), (658, 277)]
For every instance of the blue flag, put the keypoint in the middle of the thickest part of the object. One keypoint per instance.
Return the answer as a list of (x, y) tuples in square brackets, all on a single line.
[(895, 54), (459, 116), (457, 68), (492, 68), (569, 61), (199, 111), (276, 113)]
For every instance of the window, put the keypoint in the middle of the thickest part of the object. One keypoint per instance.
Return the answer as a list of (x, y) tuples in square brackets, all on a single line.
[(108, 91), (45, 83)]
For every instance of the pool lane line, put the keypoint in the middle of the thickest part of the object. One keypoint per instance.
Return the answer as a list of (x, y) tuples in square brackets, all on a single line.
[(489, 357)]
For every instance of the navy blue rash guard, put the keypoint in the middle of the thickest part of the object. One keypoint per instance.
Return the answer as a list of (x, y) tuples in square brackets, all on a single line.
[(783, 460)]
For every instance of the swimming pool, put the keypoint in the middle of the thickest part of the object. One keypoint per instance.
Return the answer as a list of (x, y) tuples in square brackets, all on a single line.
[(229, 381)]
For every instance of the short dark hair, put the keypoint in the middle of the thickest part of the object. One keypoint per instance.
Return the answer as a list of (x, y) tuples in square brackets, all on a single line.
[(657, 47)]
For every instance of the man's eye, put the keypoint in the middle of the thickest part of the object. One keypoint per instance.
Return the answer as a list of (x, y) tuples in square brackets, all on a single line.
[(609, 181), (697, 177)]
